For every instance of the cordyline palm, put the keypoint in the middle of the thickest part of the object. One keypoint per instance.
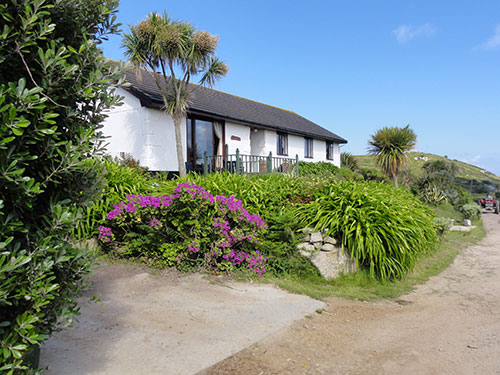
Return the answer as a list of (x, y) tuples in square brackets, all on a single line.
[(349, 161), (390, 146), (179, 52)]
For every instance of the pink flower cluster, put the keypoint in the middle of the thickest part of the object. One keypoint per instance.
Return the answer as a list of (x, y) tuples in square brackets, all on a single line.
[(135, 202), (225, 205), (255, 263), (194, 247), (155, 222), (105, 233), (231, 203), (194, 190)]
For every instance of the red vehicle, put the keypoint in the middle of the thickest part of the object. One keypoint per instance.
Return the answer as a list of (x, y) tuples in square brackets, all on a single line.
[(489, 203)]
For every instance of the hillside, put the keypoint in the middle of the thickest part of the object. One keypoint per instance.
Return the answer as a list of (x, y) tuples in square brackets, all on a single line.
[(469, 175)]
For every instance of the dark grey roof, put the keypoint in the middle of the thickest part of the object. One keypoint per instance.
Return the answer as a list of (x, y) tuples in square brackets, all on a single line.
[(211, 102)]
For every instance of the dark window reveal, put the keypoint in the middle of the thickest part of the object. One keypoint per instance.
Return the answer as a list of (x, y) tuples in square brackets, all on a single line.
[(282, 144), (308, 147), (329, 150)]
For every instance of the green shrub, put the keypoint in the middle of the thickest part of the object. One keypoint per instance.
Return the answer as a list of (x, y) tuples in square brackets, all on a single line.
[(119, 181), (190, 228), (54, 87), (325, 168), (385, 229), (443, 224), (471, 211)]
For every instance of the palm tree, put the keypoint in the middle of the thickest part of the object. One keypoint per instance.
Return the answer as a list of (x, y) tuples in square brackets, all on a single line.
[(349, 161), (179, 52), (390, 145)]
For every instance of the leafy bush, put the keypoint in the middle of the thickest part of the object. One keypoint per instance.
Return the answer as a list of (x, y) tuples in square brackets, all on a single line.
[(373, 175), (471, 211), (119, 181), (349, 161), (188, 228), (54, 87), (443, 225), (324, 168), (385, 229)]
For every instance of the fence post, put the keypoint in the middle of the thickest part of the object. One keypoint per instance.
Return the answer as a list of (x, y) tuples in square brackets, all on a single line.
[(205, 163), (270, 163), (238, 161), (296, 165), (225, 160)]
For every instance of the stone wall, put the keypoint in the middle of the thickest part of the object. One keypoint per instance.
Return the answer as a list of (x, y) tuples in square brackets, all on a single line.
[(325, 254)]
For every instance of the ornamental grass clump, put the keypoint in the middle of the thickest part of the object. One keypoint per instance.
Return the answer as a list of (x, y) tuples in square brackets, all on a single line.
[(384, 228), (189, 228)]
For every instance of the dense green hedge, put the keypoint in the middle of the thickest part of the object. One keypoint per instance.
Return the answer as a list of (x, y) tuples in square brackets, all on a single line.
[(54, 86), (385, 228)]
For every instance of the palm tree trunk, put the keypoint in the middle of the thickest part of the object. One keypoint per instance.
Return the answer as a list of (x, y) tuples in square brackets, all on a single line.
[(395, 180), (178, 146)]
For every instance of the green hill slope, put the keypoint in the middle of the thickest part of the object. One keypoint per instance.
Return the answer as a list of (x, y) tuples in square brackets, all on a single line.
[(468, 175)]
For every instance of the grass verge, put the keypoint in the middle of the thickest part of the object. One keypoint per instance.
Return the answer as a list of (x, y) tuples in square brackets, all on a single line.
[(360, 286)]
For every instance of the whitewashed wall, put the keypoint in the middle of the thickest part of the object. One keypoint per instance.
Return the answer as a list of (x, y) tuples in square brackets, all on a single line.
[(242, 132), (148, 134)]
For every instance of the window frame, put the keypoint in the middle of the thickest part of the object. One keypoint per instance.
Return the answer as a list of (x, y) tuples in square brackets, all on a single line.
[(329, 150), (308, 151), (283, 150)]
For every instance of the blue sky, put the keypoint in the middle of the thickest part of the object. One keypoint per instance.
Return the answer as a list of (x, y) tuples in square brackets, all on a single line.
[(356, 66)]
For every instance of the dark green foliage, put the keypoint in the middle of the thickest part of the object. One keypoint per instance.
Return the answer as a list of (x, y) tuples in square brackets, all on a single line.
[(373, 175), (390, 145), (53, 89), (386, 229), (349, 161), (324, 169), (471, 211)]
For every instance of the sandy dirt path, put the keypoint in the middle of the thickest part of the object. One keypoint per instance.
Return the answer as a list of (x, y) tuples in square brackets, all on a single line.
[(167, 324), (450, 325)]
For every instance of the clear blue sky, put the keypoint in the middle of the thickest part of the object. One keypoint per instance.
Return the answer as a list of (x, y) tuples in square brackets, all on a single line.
[(356, 66)]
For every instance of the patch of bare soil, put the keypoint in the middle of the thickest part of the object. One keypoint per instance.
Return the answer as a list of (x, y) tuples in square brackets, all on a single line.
[(450, 325)]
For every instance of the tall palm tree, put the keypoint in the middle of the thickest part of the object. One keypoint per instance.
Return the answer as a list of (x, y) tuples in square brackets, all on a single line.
[(179, 52), (390, 145)]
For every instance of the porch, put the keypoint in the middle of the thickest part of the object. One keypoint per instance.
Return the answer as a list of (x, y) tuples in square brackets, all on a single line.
[(246, 164)]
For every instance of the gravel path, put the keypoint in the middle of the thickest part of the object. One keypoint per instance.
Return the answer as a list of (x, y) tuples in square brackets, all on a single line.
[(450, 325), (167, 324)]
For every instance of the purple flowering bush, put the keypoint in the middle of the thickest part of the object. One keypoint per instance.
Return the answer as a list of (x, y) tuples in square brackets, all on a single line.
[(189, 228)]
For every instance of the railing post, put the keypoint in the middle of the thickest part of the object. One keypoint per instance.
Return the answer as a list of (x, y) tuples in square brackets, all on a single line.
[(270, 163), (296, 165), (225, 161), (238, 161), (205, 163)]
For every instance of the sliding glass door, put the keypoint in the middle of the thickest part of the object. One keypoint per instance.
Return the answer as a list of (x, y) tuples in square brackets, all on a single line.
[(201, 138)]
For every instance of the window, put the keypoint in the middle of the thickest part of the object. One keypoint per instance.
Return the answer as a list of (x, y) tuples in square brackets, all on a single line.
[(282, 144), (200, 139), (329, 150), (308, 147)]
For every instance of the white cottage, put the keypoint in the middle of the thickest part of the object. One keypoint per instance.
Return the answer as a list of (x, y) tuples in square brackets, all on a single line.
[(215, 119)]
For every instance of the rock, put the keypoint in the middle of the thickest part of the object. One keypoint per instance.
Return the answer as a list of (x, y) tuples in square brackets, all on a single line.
[(305, 246), (328, 247), (331, 240), (307, 230), (307, 238), (332, 264), (467, 223), (317, 245), (305, 253), (316, 237)]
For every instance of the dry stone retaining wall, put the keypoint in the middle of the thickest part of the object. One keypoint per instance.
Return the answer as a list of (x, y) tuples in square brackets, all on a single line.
[(325, 254)]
